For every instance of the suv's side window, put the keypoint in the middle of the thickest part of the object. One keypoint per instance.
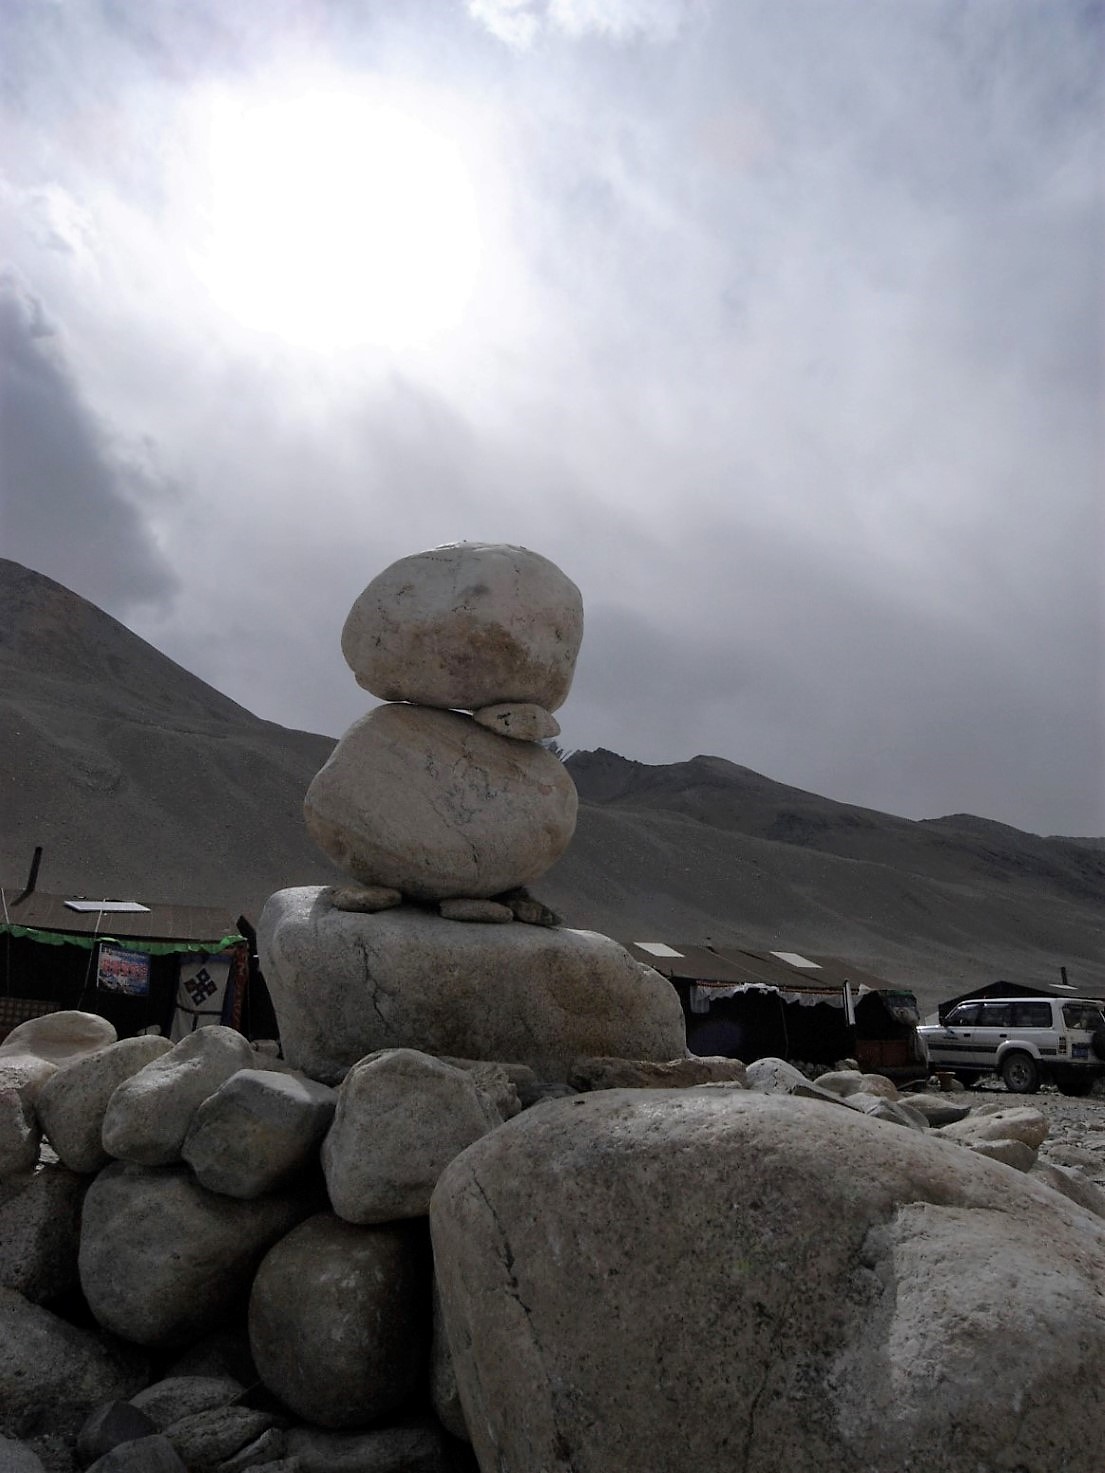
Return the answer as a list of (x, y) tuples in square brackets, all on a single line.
[(994, 1015), (1031, 1015), (966, 1015)]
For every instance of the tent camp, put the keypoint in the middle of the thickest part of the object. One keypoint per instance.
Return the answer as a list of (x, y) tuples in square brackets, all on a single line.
[(141, 965), (750, 1005)]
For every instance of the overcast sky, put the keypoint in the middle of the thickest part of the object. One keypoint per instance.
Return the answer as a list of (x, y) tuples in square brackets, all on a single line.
[(777, 324)]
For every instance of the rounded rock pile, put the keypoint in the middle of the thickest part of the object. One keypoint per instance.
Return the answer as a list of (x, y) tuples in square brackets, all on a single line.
[(442, 806)]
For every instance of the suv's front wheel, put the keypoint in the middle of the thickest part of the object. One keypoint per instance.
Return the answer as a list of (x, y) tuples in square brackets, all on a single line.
[(1020, 1074)]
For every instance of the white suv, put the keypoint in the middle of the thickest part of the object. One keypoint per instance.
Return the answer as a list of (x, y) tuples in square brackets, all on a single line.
[(1024, 1039)]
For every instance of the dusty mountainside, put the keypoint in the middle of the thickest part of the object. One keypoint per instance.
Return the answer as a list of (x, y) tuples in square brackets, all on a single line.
[(139, 779), (708, 848)]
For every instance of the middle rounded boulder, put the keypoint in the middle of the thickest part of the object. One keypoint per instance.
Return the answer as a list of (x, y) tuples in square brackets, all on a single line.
[(434, 805)]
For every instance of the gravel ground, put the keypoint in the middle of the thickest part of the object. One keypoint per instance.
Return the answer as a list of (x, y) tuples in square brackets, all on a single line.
[(1077, 1134)]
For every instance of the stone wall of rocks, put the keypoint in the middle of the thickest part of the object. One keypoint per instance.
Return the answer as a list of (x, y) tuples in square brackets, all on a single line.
[(248, 1282)]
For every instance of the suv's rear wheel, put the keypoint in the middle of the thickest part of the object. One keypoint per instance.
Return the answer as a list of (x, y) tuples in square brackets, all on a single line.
[(1020, 1074)]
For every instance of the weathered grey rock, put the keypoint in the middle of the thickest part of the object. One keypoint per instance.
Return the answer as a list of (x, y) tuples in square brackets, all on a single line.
[(206, 1439), (845, 1082), (29, 1056), (1014, 1123), (863, 1308), (415, 1447), (523, 723), (17, 1457), (339, 1321), (176, 1397), (498, 1083), (344, 986), (401, 1118), (444, 1395), (109, 1425), (257, 1131), (40, 1216), (149, 1114), (162, 1260), (778, 1077), (21, 1077), (263, 1452), (154, 1454), (542, 1091), (528, 909), (1009, 1151), (46, 1362), (366, 899), (897, 1112), (588, 1074), (432, 804), (72, 1103), (938, 1109), (488, 911), (469, 624), (278, 1465), (1072, 1184), (58, 1038)]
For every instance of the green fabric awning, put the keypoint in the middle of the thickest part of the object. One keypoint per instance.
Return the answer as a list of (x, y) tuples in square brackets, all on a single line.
[(131, 943)]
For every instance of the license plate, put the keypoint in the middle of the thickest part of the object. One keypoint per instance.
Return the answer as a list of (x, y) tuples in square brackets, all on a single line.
[(1080, 1051)]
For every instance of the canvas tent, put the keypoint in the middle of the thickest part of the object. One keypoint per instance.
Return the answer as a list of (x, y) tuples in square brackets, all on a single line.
[(139, 964), (749, 1004)]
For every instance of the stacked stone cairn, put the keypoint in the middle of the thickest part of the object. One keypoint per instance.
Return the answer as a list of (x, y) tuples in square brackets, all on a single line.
[(486, 1212)]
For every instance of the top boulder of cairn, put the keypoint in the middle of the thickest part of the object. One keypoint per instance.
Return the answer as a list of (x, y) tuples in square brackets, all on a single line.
[(467, 625)]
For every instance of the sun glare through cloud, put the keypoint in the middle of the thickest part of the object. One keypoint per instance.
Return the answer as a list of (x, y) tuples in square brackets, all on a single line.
[(336, 220)]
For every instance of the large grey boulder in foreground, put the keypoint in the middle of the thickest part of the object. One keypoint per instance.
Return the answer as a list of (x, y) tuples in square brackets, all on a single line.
[(464, 625), (257, 1131), (712, 1279), (345, 985), (401, 1118), (72, 1104), (162, 1260), (432, 804), (51, 1368), (148, 1116), (339, 1320)]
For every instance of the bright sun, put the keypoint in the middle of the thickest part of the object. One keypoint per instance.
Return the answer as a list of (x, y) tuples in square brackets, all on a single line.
[(335, 220)]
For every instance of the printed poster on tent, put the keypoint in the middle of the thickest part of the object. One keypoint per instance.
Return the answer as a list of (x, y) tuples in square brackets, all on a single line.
[(126, 972), (201, 992)]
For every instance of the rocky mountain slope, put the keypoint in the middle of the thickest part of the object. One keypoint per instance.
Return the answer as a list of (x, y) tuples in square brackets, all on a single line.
[(140, 780)]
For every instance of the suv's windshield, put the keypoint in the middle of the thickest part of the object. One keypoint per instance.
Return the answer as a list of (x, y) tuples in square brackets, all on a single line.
[(1083, 1015)]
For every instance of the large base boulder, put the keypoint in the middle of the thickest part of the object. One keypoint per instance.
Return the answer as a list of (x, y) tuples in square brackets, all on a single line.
[(345, 985), (715, 1278)]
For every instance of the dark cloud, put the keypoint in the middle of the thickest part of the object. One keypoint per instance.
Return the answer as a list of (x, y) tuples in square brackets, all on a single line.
[(75, 503)]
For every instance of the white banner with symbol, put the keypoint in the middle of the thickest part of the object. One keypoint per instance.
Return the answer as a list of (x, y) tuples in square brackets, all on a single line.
[(200, 993)]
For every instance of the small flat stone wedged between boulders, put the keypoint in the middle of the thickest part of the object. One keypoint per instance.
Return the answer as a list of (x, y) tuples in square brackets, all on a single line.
[(523, 723)]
